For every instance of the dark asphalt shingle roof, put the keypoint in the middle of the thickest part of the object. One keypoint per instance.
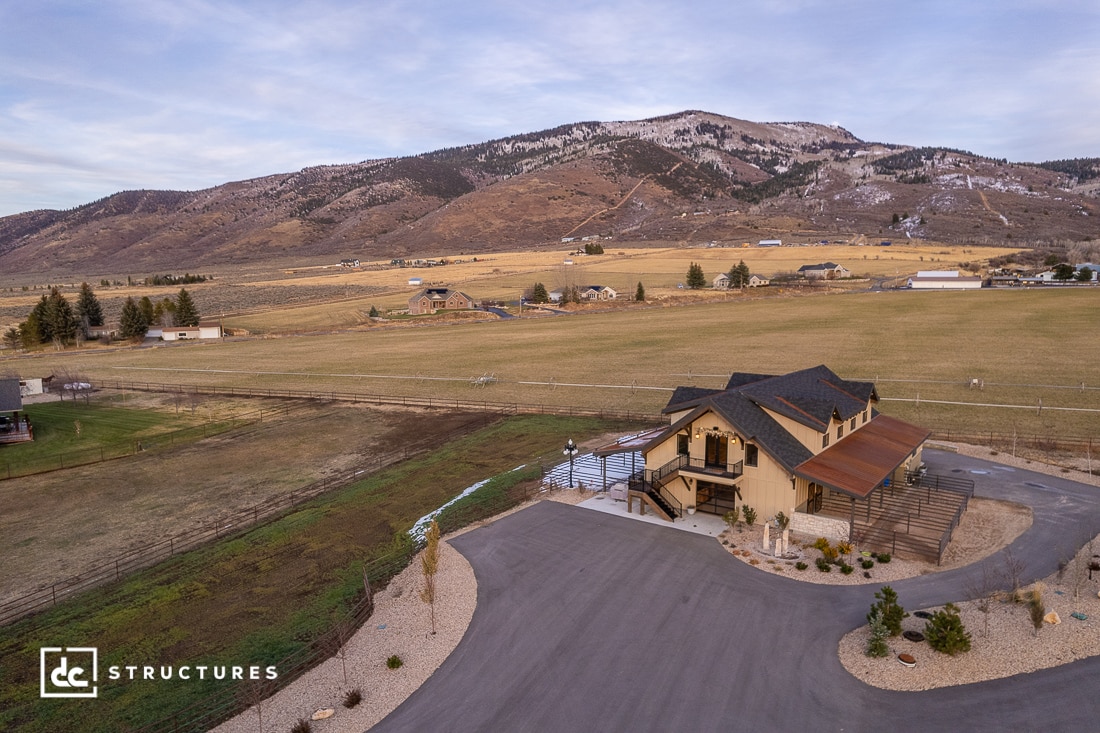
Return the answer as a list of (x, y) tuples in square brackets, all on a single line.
[(810, 397), (10, 398)]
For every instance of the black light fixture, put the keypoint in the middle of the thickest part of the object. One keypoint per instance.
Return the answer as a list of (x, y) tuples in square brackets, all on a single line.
[(570, 450)]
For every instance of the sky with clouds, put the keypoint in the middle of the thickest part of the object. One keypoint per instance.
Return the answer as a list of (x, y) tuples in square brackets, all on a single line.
[(99, 96)]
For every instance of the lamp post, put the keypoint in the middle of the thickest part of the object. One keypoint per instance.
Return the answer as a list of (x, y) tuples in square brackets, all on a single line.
[(570, 450)]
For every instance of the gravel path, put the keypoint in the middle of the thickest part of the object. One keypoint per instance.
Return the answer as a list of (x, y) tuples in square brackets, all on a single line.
[(1004, 642)]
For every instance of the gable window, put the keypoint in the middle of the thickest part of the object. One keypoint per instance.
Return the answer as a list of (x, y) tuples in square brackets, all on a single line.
[(752, 454), (865, 416), (682, 444), (853, 425), (839, 431), (825, 440)]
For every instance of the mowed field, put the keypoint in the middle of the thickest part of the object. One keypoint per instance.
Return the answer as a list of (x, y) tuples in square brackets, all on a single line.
[(1026, 345)]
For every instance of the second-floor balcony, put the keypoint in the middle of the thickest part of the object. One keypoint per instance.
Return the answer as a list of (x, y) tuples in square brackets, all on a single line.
[(700, 467)]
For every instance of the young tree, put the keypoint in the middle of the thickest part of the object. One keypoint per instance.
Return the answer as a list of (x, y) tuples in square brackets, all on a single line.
[(186, 312), (945, 631), (12, 338), (888, 610), (132, 324), (695, 277), (876, 644), (639, 294), (429, 563), (539, 294)]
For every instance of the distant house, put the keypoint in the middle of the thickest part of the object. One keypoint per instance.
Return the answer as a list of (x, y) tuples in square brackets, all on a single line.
[(943, 280), (721, 282), (14, 425), (349, 263), (431, 300), (597, 292), (824, 271), (188, 333), (755, 281)]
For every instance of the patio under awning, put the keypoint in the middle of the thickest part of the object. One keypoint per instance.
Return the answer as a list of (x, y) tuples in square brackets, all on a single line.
[(859, 463)]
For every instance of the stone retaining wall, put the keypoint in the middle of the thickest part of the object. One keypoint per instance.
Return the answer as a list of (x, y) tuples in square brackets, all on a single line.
[(819, 526)]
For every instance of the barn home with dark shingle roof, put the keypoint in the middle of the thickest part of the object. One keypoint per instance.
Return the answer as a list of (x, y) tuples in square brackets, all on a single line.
[(777, 443)]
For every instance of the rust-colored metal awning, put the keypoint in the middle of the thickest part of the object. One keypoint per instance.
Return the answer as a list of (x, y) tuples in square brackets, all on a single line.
[(859, 463)]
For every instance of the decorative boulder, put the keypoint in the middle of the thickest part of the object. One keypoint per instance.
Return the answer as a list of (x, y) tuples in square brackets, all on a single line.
[(322, 714), (1052, 618)]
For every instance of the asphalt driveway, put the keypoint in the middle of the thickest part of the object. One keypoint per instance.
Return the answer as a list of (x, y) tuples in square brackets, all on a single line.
[(593, 622)]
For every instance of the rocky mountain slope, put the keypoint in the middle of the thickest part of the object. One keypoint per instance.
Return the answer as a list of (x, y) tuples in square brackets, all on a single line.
[(689, 177)]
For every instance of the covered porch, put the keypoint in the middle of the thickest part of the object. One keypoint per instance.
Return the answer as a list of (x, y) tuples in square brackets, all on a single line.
[(875, 483)]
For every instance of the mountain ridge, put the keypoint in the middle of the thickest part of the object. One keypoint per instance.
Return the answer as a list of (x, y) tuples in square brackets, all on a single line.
[(688, 177)]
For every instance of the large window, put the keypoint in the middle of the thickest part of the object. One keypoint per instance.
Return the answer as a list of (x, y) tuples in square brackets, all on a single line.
[(682, 444)]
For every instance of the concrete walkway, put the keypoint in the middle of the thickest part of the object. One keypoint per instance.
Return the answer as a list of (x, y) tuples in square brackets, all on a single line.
[(588, 621)]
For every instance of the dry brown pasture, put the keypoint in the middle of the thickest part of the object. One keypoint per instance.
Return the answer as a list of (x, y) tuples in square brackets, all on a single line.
[(923, 347), (59, 525)]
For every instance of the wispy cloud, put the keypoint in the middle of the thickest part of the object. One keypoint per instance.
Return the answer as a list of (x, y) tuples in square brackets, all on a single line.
[(95, 97)]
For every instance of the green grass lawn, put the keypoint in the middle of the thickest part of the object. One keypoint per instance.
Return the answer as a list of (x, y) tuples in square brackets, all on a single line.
[(74, 431), (256, 598)]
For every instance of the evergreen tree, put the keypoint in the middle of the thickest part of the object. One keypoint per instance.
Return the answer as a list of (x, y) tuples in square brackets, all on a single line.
[(163, 312), (539, 294), (639, 294), (12, 338), (132, 325), (696, 280), (945, 631), (59, 321), (887, 610), (739, 275), (148, 310), (186, 313), (374, 312), (88, 310), (37, 322), (1063, 271), (30, 331), (1084, 275)]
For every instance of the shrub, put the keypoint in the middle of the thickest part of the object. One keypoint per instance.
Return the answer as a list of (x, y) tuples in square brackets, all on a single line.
[(883, 557), (821, 543), (846, 568), (844, 548), (394, 662), (876, 645), (302, 726), (750, 514), (1035, 608), (888, 610), (867, 564), (830, 554), (782, 521), (823, 565), (732, 518), (353, 698), (801, 565), (945, 631)]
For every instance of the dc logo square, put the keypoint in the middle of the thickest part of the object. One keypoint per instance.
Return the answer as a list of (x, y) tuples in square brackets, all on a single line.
[(68, 671)]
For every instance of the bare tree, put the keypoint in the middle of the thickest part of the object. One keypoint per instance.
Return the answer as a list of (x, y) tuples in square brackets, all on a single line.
[(429, 563)]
